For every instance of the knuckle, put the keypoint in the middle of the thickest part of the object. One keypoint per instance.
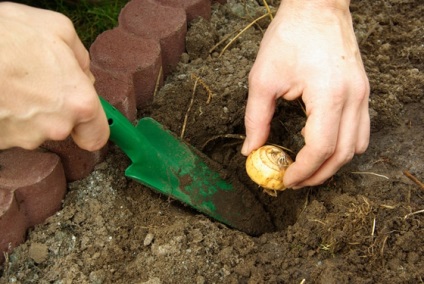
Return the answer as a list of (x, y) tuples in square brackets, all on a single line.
[(360, 88), (362, 92), (249, 122), (324, 152), (64, 26), (258, 79), (85, 60), (362, 147), (314, 181), (319, 181), (65, 23), (85, 107), (339, 94), (30, 145), (348, 156), (59, 133), (344, 157)]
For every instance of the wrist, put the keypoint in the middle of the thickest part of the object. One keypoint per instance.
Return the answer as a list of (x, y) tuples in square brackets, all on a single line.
[(322, 5), (327, 12)]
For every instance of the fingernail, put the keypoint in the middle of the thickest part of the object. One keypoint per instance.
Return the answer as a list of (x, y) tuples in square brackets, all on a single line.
[(245, 148)]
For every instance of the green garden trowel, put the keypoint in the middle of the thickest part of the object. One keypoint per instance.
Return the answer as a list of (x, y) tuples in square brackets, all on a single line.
[(165, 163)]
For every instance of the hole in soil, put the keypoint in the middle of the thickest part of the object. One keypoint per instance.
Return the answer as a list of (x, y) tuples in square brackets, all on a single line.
[(283, 209)]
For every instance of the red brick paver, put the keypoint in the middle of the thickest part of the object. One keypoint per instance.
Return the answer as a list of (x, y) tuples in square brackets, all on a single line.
[(193, 8), (117, 88), (148, 19), (32, 186), (78, 163), (131, 58)]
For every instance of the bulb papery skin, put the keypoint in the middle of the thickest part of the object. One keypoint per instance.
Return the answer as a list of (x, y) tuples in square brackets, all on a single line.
[(267, 165)]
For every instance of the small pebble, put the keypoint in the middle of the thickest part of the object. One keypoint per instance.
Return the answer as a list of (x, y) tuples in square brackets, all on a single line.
[(148, 239)]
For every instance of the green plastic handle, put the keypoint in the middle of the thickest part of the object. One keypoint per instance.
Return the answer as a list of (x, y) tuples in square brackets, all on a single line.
[(122, 132)]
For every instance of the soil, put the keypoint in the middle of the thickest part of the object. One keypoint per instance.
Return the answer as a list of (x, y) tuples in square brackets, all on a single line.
[(365, 225)]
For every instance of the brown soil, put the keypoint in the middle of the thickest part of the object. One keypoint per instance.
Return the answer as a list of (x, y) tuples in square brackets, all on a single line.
[(365, 225)]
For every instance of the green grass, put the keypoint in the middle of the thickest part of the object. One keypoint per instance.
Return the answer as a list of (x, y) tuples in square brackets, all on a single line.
[(89, 17)]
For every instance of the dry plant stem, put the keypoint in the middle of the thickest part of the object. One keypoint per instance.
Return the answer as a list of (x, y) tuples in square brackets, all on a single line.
[(413, 213), (221, 41), (391, 207), (233, 136), (306, 200), (383, 245), (208, 90), (210, 94), (241, 32), (188, 110), (302, 106), (6, 264), (370, 173), (318, 221), (284, 148), (157, 82), (373, 228), (414, 179), (268, 10)]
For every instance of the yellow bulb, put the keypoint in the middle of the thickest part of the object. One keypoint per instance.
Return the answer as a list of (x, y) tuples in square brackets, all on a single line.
[(266, 166)]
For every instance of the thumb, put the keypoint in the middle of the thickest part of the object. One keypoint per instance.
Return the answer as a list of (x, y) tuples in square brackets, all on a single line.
[(93, 134), (257, 120)]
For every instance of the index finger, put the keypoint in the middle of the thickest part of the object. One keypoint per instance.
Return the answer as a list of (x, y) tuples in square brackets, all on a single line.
[(71, 38)]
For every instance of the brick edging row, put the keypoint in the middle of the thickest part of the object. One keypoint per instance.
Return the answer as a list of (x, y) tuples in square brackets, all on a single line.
[(128, 63)]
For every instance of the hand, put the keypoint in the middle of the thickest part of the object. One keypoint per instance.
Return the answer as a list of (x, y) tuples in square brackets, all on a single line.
[(310, 51), (47, 88)]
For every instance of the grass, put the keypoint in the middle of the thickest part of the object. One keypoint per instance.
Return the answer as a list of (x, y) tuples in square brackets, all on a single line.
[(89, 17)]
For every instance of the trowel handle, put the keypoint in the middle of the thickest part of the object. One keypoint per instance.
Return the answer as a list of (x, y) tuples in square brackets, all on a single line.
[(122, 132)]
